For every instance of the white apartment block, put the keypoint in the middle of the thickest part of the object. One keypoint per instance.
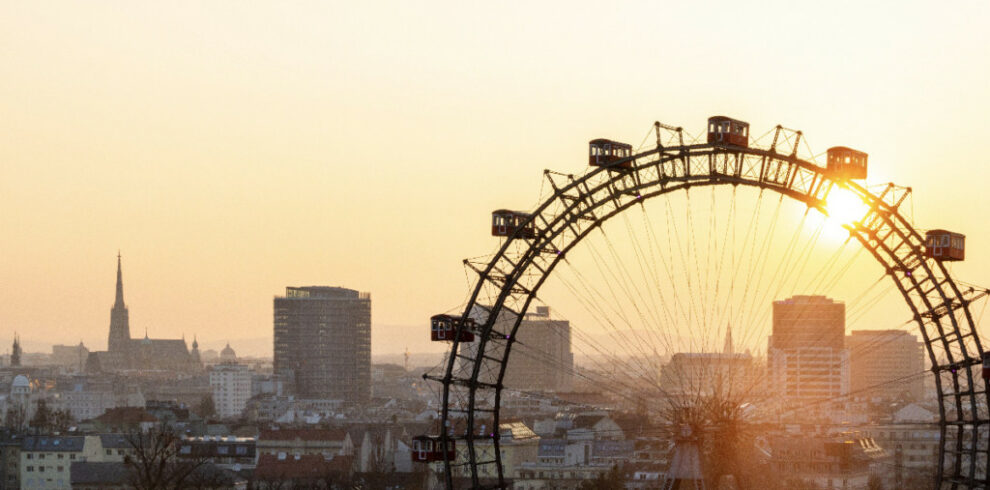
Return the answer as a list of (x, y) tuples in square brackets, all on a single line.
[(231, 385)]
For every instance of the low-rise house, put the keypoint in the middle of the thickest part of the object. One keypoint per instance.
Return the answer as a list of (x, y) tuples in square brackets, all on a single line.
[(517, 443), (222, 451), (324, 442), (109, 447), (286, 471)]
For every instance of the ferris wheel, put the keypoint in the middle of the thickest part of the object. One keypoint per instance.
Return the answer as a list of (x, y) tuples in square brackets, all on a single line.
[(697, 283)]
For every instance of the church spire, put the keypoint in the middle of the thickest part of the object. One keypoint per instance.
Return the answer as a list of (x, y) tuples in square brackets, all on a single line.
[(120, 328), (728, 349), (15, 354), (119, 300)]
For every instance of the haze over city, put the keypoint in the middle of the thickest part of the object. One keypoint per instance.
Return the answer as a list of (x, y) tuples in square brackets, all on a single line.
[(449, 245), (228, 152)]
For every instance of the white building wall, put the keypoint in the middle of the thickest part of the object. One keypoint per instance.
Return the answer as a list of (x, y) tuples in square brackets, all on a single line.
[(231, 384)]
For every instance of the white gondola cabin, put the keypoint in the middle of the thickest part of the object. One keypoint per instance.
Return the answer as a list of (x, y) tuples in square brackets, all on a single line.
[(603, 152), (443, 328), (944, 245), (429, 449), (506, 223), (725, 130), (847, 162)]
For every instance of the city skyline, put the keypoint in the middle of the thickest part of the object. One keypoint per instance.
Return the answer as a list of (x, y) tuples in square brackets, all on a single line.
[(232, 165)]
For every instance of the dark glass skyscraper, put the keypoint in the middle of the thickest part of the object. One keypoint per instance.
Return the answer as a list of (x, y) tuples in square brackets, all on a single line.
[(323, 342)]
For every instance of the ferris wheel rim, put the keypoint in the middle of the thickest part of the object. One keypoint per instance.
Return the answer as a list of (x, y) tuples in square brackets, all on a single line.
[(946, 288)]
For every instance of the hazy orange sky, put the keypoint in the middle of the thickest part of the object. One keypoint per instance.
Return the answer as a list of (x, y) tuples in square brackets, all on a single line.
[(230, 149)]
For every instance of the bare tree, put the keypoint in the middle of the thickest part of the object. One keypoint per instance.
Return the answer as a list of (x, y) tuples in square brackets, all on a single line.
[(16, 418), (42, 417), (155, 464)]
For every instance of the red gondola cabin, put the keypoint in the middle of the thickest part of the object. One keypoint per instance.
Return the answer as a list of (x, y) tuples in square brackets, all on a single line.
[(726, 130), (505, 223), (428, 449), (443, 328), (603, 152), (945, 245), (847, 162)]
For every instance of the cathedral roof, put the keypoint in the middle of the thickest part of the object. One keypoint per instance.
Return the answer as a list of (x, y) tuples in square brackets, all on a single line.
[(21, 381)]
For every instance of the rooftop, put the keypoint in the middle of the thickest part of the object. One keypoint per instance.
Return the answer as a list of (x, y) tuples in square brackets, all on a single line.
[(53, 443)]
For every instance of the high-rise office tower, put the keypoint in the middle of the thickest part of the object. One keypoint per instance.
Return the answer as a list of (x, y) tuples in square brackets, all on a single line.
[(323, 342), (807, 360), (879, 361), (541, 358)]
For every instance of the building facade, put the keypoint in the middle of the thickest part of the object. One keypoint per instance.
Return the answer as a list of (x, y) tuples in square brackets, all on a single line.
[(879, 361), (727, 375), (542, 359), (231, 384), (323, 342), (807, 361)]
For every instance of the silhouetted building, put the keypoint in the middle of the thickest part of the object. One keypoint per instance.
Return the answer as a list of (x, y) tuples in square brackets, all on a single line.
[(806, 358), (726, 374), (125, 353), (542, 357), (879, 360), (71, 356), (228, 354), (15, 352), (323, 342), (194, 353)]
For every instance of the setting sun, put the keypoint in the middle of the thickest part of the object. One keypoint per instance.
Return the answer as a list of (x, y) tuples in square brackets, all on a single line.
[(844, 207)]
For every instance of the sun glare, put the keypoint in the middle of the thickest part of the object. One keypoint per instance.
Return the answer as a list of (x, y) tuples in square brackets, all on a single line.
[(845, 207)]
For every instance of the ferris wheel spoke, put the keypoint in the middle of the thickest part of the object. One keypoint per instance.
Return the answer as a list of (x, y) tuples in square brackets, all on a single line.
[(645, 292)]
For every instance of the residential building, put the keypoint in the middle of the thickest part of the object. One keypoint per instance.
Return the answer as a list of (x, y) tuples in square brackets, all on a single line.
[(10, 460), (286, 471), (324, 442), (842, 461), (225, 451), (88, 398), (231, 384), (45, 460), (323, 342), (517, 444)]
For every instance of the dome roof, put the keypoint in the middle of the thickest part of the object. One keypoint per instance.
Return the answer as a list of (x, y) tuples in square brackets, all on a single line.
[(228, 353), (21, 381)]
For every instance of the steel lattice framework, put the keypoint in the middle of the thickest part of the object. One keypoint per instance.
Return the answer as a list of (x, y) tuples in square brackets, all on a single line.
[(510, 280)]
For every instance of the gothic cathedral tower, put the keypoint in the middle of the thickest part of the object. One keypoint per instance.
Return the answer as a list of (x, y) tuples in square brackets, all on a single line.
[(120, 328)]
